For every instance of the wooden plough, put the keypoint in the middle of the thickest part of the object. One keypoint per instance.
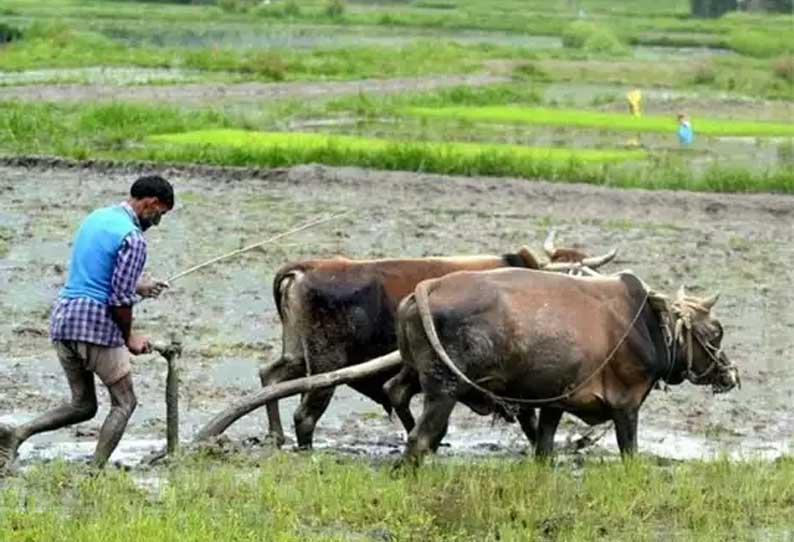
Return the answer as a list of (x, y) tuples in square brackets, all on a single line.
[(223, 420)]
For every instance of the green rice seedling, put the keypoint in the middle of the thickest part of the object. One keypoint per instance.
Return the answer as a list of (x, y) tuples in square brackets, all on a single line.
[(602, 120), (234, 147), (300, 143)]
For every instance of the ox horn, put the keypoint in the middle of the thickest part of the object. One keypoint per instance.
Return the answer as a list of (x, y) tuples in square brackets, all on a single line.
[(710, 301), (548, 244), (681, 294), (597, 261), (562, 266)]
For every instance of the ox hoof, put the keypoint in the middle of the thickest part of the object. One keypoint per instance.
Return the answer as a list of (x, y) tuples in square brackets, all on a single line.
[(274, 439), (406, 466)]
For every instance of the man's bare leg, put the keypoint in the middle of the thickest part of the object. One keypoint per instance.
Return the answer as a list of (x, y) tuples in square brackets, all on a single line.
[(82, 407), (122, 405)]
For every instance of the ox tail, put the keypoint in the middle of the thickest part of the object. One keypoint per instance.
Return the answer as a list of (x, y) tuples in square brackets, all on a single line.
[(423, 305), (403, 343), (284, 279)]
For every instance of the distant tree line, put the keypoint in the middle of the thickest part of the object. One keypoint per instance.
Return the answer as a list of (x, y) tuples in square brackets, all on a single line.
[(717, 8)]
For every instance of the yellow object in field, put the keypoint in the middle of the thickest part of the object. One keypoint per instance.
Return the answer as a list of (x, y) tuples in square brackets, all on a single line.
[(634, 96)]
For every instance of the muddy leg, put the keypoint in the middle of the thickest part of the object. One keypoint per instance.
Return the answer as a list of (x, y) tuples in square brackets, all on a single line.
[(8, 446), (122, 405), (82, 407), (626, 431), (529, 423), (282, 369), (312, 407), (547, 427), (430, 429), (434, 445), (400, 389)]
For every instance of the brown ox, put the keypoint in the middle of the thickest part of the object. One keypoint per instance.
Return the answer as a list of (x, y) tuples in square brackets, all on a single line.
[(341, 312), (593, 347)]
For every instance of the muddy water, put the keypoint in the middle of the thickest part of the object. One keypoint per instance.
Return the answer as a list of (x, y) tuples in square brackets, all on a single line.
[(741, 245)]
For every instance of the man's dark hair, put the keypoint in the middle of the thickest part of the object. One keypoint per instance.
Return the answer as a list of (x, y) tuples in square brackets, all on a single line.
[(153, 186)]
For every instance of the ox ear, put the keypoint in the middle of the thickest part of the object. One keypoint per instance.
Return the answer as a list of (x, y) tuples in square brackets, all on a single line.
[(529, 259), (709, 302)]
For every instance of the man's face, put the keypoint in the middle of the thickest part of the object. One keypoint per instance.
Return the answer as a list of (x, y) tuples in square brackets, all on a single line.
[(151, 213)]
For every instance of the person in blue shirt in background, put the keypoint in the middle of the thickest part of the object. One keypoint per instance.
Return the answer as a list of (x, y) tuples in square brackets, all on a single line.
[(685, 133)]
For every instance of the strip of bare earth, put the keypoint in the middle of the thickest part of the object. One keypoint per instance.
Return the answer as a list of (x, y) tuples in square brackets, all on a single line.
[(638, 203), (212, 93)]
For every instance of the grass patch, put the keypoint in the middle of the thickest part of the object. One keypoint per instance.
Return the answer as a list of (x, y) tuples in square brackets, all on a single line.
[(593, 38), (321, 497), (238, 147), (664, 171), (735, 74), (311, 143), (605, 121), (759, 44), (84, 130), (121, 131)]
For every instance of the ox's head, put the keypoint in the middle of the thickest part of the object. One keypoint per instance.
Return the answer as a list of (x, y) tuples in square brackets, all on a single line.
[(698, 344), (564, 254), (571, 260)]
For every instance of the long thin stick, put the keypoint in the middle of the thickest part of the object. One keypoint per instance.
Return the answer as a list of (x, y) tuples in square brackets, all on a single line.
[(256, 245)]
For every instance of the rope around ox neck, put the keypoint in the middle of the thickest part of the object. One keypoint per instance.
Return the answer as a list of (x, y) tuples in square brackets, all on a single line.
[(422, 303)]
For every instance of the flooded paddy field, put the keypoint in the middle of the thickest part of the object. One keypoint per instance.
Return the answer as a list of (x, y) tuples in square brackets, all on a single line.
[(296, 35), (739, 245), (300, 36)]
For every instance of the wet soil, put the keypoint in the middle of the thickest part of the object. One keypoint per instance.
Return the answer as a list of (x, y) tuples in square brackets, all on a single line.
[(107, 75), (203, 93), (738, 244)]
